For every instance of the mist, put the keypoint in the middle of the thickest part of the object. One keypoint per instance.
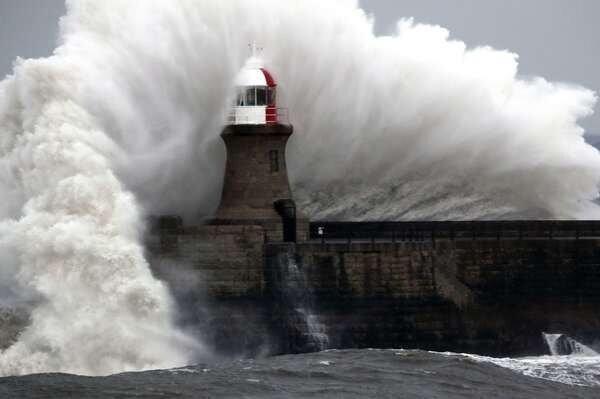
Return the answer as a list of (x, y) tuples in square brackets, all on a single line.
[(123, 121)]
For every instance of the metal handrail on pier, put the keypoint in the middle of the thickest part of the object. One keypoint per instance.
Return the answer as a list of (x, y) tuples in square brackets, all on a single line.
[(472, 230)]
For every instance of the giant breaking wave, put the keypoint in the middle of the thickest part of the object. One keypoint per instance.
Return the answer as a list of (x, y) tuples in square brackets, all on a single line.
[(124, 119)]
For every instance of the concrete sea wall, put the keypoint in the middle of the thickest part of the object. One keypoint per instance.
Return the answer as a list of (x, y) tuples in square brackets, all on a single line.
[(492, 294)]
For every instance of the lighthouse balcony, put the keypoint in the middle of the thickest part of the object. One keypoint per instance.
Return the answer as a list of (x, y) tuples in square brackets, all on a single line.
[(258, 115)]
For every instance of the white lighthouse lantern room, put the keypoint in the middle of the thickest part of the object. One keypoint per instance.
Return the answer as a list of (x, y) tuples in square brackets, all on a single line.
[(256, 96)]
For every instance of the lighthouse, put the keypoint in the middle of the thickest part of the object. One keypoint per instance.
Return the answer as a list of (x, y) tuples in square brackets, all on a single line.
[(256, 190)]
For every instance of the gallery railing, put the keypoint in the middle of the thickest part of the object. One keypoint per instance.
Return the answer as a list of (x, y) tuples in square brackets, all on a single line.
[(258, 116)]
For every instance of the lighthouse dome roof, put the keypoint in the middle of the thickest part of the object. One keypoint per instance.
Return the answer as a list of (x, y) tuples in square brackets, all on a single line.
[(253, 74)]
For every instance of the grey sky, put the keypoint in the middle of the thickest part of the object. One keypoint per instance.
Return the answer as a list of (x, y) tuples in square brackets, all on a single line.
[(556, 39), (28, 28)]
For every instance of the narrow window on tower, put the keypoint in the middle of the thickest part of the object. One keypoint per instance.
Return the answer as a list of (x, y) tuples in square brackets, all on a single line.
[(274, 158)]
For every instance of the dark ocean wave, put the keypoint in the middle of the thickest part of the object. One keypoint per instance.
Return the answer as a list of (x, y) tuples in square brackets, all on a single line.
[(334, 374)]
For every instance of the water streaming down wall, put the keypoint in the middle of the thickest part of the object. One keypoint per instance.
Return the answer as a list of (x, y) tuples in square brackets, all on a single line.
[(563, 345), (302, 330)]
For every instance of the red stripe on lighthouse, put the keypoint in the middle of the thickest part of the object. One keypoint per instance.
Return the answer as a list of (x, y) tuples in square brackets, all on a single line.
[(271, 114), (269, 78)]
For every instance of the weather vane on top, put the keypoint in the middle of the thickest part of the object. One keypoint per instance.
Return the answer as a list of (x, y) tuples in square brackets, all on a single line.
[(254, 49)]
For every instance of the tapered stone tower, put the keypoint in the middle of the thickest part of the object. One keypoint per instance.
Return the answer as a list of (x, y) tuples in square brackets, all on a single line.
[(256, 189)]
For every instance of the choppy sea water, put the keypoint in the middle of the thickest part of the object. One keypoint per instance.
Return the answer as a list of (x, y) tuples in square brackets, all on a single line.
[(335, 374)]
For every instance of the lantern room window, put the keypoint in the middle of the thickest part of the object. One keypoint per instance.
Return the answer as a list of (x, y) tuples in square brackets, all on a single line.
[(241, 99), (261, 96), (251, 96), (255, 96)]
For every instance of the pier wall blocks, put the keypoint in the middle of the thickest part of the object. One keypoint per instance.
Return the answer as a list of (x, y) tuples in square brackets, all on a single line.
[(482, 296)]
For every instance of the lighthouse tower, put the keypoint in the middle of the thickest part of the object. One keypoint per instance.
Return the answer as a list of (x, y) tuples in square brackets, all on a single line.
[(256, 189)]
